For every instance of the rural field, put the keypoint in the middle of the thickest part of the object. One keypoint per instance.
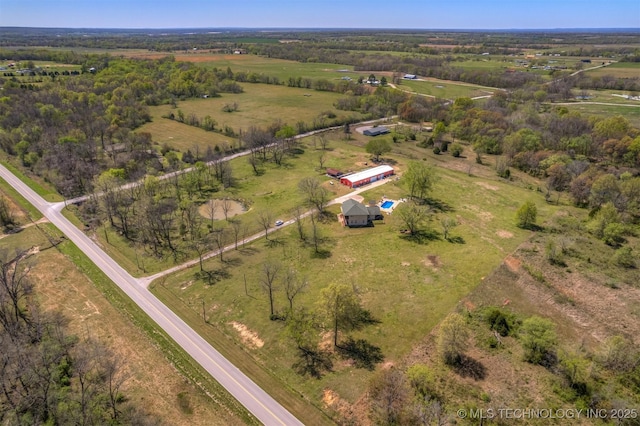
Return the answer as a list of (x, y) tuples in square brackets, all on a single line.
[(259, 105), (618, 69), (631, 113), (445, 89), (527, 235), (397, 278)]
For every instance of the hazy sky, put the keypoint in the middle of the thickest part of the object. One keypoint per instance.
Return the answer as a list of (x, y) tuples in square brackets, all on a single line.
[(415, 14)]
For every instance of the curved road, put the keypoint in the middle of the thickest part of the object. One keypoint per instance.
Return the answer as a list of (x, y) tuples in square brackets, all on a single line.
[(255, 400)]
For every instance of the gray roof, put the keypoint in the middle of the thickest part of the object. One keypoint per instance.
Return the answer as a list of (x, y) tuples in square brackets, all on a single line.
[(373, 210), (353, 208), (375, 131)]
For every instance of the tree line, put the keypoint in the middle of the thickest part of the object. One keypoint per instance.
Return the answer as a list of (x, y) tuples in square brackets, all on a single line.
[(47, 375)]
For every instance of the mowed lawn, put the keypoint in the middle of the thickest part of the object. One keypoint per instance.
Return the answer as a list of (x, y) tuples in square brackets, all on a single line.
[(407, 286)]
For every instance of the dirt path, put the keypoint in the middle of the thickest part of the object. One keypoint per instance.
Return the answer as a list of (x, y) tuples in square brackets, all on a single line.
[(28, 225)]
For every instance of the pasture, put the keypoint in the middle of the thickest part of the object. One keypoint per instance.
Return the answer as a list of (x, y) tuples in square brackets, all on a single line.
[(618, 70), (407, 286), (445, 89), (280, 68), (630, 112), (260, 105)]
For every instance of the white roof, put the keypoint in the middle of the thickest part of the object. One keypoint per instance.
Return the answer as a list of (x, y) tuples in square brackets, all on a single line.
[(368, 173)]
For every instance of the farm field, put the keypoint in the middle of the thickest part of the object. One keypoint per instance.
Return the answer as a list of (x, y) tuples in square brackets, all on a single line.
[(397, 278), (445, 89), (631, 113), (63, 286), (280, 68), (618, 69), (260, 105)]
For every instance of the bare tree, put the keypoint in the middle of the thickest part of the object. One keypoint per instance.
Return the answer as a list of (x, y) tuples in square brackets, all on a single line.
[(15, 287), (236, 226), (211, 208), (314, 193), (293, 286), (315, 235), (264, 219), (219, 237), (226, 208), (298, 213), (115, 376), (324, 142), (270, 271), (321, 160), (201, 246)]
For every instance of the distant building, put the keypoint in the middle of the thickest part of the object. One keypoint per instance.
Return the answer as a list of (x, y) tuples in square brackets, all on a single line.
[(410, 76), (375, 131)]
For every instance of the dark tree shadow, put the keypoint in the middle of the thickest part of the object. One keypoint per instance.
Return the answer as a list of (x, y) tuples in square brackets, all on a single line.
[(213, 276), (274, 242), (533, 227), (469, 367), (438, 205), (321, 254), (363, 353), (422, 236), (248, 251), (456, 240), (233, 261), (312, 362)]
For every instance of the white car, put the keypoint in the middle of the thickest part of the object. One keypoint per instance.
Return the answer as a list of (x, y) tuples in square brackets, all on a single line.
[(279, 222)]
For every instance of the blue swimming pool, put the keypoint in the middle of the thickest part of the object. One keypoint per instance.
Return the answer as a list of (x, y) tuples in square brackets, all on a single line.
[(386, 204)]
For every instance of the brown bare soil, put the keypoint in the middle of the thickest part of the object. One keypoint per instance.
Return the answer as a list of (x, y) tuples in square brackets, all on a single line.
[(250, 338), (235, 209)]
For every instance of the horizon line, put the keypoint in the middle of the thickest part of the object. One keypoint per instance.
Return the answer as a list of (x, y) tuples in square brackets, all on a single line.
[(634, 29)]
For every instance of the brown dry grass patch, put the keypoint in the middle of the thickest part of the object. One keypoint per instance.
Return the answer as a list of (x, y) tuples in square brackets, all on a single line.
[(249, 337)]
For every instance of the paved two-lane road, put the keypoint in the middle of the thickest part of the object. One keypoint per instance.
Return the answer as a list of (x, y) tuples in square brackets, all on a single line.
[(255, 400)]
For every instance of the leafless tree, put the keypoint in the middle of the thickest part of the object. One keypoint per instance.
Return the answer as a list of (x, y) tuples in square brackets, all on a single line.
[(15, 288), (293, 286), (298, 213), (219, 237), (314, 193), (236, 226), (321, 160), (212, 208), (264, 219), (227, 204), (270, 270)]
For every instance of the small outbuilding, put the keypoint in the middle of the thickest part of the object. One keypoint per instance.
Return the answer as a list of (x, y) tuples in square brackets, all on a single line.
[(334, 172), (410, 77), (375, 131), (367, 176)]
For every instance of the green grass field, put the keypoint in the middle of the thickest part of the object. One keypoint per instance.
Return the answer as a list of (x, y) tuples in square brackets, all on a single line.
[(618, 69), (407, 286), (445, 89), (260, 105), (631, 113)]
